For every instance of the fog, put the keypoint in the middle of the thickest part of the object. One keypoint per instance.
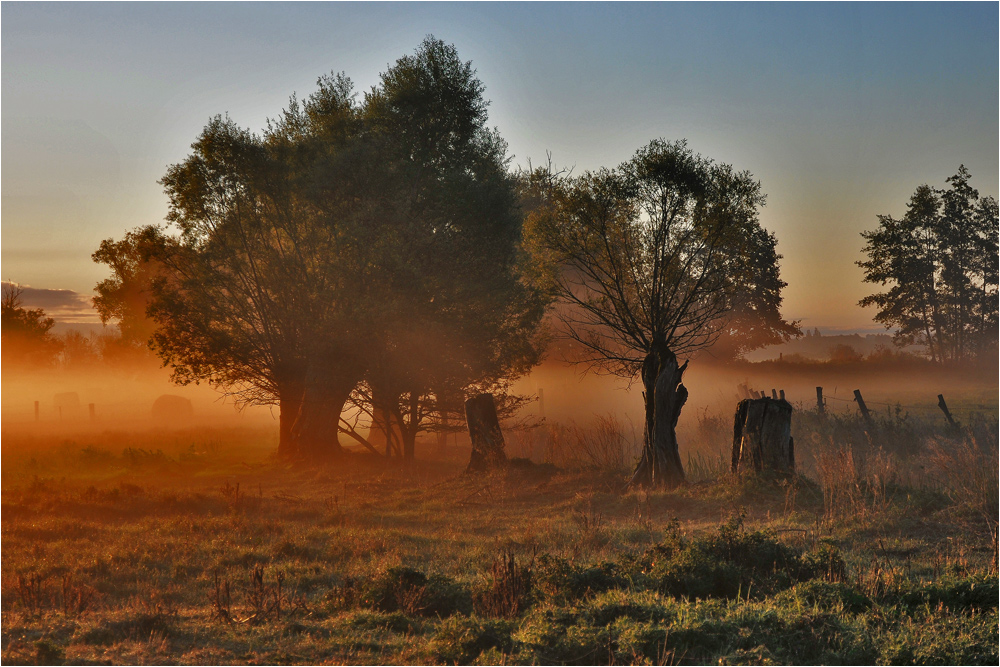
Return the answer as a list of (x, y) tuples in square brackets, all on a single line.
[(565, 394)]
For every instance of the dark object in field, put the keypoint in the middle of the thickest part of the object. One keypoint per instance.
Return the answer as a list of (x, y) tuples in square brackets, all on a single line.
[(946, 411), (862, 407), (169, 408), (762, 438), (484, 429)]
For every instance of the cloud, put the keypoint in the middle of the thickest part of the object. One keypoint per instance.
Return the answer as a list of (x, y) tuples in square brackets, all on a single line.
[(63, 305)]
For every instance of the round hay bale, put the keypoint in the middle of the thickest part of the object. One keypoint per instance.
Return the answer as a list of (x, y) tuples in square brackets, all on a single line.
[(171, 408)]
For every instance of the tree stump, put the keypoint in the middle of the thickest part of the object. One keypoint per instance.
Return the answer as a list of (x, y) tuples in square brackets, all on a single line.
[(484, 429), (762, 437)]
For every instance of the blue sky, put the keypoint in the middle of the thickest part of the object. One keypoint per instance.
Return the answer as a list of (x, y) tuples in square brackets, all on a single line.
[(841, 110)]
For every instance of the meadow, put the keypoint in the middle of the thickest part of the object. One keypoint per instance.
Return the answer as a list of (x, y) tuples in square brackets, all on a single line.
[(197, 547)]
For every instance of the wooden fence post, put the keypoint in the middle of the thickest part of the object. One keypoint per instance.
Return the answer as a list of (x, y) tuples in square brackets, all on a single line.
[(944, 409), (819, 401), (774, 394), (861, 406), (781, 394)]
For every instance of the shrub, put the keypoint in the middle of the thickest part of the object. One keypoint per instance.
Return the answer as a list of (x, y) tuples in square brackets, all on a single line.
[(732, 563), (413, 592), (558, 581), (461, 639)]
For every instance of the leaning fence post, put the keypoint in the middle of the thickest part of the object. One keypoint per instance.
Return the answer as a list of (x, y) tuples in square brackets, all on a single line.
[(774, 394), (944, 409), (862, 406), (819, 401)]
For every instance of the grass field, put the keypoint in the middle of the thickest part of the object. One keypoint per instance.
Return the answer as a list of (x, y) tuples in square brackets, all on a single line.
[(196, 547)]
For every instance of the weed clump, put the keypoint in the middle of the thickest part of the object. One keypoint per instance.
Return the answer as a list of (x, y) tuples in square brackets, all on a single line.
[(558, 581), (462, 639), (733, 563), (412, 592), (506, 592)]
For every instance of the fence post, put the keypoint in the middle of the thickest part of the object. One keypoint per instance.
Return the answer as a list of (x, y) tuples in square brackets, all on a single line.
[(781, 394), (774, 394), (944, 409), (862, 406), (819, 401)]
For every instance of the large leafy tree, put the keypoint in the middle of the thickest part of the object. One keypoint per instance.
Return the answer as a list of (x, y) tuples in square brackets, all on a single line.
[(939, 262), (647, 259), (370, 245)]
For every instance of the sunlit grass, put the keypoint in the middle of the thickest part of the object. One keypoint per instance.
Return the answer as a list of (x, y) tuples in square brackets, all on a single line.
[(119, 548)]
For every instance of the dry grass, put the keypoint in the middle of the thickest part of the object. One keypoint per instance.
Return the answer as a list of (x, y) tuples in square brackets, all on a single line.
[(208, 551)]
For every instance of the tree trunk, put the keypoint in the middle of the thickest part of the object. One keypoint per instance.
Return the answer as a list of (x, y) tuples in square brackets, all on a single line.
[(664, 396), (410, 432), (289, 404), (379, 429), (484, 430), (762, 440), (315, 431)]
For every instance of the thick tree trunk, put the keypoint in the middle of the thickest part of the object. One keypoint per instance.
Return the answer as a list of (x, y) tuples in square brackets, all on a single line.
[(488, 449), (762, 440), (664, 396), (315, 431), (289, 404)]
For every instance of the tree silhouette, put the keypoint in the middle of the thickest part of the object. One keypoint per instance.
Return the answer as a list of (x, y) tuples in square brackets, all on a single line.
[(647, 259), (27, 337), (367, 249), (939, 262)]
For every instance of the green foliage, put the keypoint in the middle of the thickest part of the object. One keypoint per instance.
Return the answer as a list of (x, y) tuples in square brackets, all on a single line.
[(558, 581), (461, 639), (407, 590), (733, 563)]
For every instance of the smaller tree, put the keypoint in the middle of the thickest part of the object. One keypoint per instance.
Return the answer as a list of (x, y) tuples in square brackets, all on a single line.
[(647, 260), (27, 337), (939, 262), (124, 298)]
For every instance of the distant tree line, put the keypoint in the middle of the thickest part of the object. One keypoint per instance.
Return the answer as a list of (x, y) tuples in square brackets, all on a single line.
[(30, 344)]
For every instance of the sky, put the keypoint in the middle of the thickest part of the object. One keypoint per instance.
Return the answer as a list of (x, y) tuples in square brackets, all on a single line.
[(840, 110)]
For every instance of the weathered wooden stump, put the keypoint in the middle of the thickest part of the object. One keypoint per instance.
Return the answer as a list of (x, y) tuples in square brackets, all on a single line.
[(484, 429), (762, 436)]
